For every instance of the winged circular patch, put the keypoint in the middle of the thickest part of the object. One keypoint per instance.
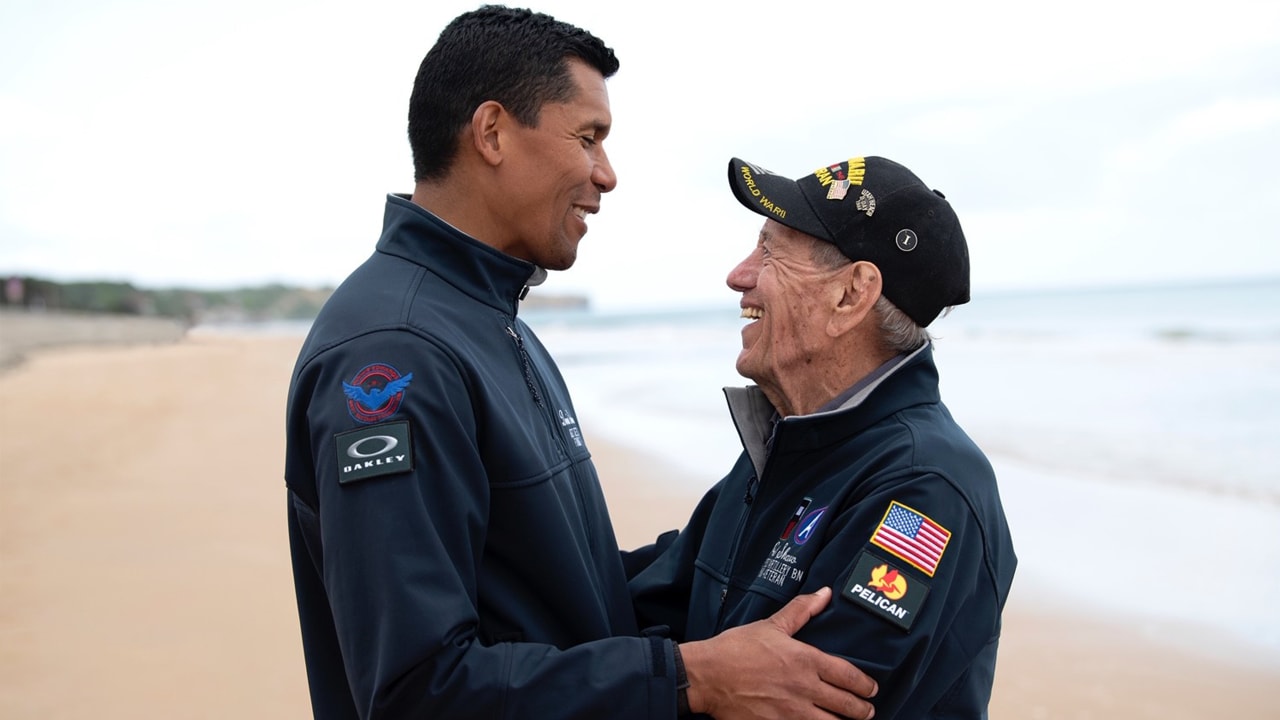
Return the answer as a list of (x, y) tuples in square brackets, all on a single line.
[(375, 393)]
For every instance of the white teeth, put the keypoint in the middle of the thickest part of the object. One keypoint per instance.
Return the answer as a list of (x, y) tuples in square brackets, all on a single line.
[(752, 313), (580, 212)]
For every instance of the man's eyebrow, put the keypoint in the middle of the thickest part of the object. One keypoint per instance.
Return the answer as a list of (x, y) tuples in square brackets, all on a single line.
[(598, 127)]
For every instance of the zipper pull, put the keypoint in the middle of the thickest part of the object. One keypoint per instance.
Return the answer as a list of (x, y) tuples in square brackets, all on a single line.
[(528, 369), (751, 486)]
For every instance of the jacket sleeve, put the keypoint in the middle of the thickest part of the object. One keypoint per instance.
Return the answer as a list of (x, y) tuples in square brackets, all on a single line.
[(660, 591), (401, 555), (919, 629), (636, 560)]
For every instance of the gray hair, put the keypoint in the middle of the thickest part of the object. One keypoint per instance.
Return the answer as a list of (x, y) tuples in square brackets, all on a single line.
[(899, 333), (827, 256)]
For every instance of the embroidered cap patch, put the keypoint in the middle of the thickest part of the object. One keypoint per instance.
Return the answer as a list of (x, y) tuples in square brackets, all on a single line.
[(912, 536)]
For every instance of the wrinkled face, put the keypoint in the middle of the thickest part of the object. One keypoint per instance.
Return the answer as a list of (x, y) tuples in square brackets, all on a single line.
[(787, 298), (557, 173)]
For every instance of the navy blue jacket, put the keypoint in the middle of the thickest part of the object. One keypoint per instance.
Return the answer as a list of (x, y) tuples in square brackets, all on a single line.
[(885, 500), (452, 554)]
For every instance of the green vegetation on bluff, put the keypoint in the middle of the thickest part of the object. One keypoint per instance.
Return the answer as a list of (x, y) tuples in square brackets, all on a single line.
[(246, 304), (266, 302)]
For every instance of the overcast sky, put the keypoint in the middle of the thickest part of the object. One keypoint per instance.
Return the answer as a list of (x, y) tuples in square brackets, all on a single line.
[(226, 143)]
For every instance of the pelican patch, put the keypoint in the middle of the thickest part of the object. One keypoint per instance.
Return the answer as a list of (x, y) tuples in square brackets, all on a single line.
[(884, 590), (376, 450)]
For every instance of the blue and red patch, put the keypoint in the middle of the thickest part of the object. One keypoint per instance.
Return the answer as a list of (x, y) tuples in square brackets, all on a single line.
[(808, 525), (375, 393)]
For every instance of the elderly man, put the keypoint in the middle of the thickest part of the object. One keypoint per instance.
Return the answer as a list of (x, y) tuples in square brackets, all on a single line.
[(854, 474)]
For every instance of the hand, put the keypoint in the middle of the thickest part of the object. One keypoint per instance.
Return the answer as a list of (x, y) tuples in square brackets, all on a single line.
[(760, 671)]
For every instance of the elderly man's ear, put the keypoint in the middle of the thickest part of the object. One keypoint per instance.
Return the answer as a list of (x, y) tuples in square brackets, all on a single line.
[(861, 284)]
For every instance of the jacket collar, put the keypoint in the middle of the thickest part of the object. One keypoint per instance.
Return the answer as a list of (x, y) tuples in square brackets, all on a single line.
[(489, 276), (912, 380)]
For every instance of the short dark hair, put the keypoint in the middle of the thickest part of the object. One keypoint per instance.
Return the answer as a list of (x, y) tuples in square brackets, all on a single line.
[(516, 57)]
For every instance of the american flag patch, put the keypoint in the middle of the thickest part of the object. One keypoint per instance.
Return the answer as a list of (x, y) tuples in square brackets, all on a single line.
[(912, 537)]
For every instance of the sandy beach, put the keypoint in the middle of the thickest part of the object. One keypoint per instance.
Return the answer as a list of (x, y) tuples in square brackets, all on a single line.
[(145, 571)]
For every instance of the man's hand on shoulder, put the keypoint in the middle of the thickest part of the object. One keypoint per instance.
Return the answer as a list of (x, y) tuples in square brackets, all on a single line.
[(760, 671)]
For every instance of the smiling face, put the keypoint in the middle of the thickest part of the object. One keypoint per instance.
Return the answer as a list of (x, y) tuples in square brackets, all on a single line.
[(789, 299), (556, 174)]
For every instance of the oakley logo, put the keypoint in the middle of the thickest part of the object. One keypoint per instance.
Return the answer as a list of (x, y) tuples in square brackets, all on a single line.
[(388, 444)]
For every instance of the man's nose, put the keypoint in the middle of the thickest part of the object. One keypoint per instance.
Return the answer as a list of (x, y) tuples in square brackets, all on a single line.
[(602, 175), (743, 276)]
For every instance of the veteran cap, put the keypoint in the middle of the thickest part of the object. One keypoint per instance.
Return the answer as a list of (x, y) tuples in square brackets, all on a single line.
[(872, 209)]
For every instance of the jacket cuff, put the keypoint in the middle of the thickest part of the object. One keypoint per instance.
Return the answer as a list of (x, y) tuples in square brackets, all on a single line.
[(665, 667)]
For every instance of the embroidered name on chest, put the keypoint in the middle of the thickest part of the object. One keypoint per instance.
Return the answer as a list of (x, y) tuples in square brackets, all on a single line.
[(780, 566)]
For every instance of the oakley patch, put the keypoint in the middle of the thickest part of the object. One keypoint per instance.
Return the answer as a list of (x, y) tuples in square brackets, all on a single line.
[(377, 450), (885, 591)]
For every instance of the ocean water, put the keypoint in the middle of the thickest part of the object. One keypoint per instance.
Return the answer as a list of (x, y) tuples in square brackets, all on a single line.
[(1135, 433), (1168, 386)]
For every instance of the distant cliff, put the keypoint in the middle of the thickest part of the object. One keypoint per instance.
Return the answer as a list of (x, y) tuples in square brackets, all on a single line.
[(194, 307)]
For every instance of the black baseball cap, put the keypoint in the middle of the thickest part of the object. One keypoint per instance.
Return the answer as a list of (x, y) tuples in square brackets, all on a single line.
[(876, 210)]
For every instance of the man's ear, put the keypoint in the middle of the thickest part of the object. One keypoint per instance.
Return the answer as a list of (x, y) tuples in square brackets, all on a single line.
[(487, 124), (861, 284)]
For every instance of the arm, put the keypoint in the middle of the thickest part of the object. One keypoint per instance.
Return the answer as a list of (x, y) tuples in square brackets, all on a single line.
[(759, 670), (660, 590), (634, 561), (927, 638), (756, 670)]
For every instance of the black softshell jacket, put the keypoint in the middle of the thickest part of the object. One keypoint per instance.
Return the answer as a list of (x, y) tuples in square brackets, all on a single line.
[(452, 554), (887, 501)]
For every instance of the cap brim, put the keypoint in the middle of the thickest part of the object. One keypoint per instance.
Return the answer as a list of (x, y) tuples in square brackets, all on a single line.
[(775, 197)]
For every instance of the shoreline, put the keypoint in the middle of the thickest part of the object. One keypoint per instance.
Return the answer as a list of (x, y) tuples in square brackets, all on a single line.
[(147, 558), (24, 332)]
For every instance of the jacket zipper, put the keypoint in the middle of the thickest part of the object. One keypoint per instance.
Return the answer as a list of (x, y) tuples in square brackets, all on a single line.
[(528, 368), (731, 561), (554, 427)]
